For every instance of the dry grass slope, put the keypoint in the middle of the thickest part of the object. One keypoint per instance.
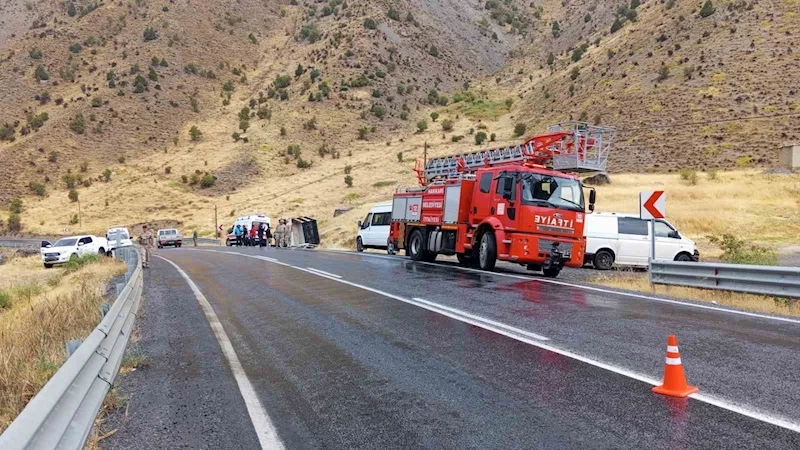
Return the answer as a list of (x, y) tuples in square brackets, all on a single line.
[(47, 309)]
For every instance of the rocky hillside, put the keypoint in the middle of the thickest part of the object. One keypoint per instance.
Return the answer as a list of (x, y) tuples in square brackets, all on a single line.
[(230, 103), (674, 77)]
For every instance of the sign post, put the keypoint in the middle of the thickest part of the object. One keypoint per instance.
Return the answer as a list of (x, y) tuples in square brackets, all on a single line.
[(652, 206)]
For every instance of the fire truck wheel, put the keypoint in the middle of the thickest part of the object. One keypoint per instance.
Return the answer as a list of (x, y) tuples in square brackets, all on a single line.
[(465, 259), (416, 246), (430, 257), (487, 255), (359, 245), (551, 272), (603, 260)]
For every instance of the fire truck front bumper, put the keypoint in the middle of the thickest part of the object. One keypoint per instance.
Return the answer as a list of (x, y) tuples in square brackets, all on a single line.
[(527, 249)]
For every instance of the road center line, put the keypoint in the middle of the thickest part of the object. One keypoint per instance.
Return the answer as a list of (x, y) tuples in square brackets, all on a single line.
[(573, 285), (507, 331), (324, 273), (265, 430)]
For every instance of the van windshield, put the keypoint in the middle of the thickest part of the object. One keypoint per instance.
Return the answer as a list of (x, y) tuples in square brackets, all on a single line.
[(557, 192)]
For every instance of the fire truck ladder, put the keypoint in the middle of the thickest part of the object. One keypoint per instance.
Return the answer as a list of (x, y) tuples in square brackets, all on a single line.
[(569, 147)]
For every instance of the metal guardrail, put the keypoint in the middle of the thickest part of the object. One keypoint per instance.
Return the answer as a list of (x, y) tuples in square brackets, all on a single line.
[(208, 241), (62, 414), (764, 280)]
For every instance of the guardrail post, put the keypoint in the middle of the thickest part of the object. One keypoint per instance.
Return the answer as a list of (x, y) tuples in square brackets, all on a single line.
[(73, 345), (104, 308)]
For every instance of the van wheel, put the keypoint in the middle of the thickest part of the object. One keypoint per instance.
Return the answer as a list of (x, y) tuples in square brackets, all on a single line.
[(48, 266), (683, 257), (416, 245), (359, 245), (487, 253), (603, 260), (101, 251)]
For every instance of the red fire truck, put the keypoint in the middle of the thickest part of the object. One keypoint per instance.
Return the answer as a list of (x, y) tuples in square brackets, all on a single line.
[(522, 204)]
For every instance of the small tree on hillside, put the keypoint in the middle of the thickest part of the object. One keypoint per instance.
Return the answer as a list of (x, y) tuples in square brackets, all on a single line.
[(195, 133), (150, 34), (422, 125), (707, 9), (519, 129), (73, 195), (434, 116)]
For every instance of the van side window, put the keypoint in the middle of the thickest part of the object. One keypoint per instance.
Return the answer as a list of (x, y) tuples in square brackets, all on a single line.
[(486, 183), (663, 230), (366, 222), (381, 219), (629, 225), (86, 240)]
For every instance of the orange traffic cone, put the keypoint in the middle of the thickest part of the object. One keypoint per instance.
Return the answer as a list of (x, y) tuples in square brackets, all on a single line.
[(674, 383)]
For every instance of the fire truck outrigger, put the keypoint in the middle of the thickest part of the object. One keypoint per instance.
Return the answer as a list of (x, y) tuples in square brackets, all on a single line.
[(522, 204)]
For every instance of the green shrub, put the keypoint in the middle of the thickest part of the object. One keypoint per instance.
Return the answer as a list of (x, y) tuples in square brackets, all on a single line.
[(348, 180), (207, 181), (712, 174), (737, 251), (75, 47), (35, 53), (434, 116), (663, 73), (447, 125), (574, 74), (38, 189), (422, 125), (379, 111), (73, 195), (15, 207), (5, 299), (369, 23), (150, 34), (76, 263), (399, 156), (689, 175), (556, 30), (433, 51), (480, 137), (78, 124), (310, 32), (195, 133), (107, 175), (520, 129), (393, 14), (707, 9), (97, 101), (40, 73), (347, 169), (456, 138), (303, 164), (14, 223)]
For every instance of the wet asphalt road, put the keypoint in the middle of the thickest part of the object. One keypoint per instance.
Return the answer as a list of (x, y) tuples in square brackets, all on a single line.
[(339, 366)]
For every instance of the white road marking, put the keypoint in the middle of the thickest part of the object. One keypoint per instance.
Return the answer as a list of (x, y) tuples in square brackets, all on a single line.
[(576, 286), (265, 430), (709, 399), (324, 273)]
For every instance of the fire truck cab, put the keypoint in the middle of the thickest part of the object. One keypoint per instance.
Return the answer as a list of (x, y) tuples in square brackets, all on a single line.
[(496, 205)]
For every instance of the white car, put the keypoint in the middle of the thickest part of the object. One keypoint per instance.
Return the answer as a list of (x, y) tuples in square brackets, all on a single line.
[(118, 233), (374, 230), (73, 247), (624, 240)]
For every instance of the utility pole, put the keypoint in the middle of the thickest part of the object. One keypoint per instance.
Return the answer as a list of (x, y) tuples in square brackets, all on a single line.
[(80, 222), (216, 225)]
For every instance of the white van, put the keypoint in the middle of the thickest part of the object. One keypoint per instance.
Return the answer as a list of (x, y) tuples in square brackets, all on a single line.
[(374, 230), (624, 240), (248, 221), (118, 233)]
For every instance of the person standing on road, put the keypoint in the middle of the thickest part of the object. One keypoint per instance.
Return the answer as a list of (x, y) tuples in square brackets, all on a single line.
[(287, 233), (261, 234), (279, 233), (237, 231), (267, 235), (194, 237), (147, 242)]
